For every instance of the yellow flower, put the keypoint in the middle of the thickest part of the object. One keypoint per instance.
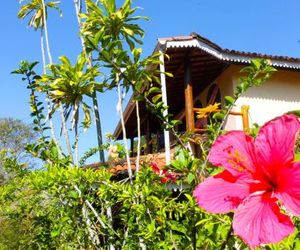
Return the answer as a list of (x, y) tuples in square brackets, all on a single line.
[(204, 112)]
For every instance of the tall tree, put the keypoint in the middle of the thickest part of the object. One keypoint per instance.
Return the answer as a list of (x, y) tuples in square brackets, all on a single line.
[(14, 136), (104, 29), (38, 10), (78, 9), (67, 86), (38, 13)]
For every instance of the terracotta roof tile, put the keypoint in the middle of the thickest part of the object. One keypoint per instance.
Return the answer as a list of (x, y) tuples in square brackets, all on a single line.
[(122, 166)]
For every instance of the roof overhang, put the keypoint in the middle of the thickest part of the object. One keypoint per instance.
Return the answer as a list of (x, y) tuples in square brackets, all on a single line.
[(233, 56), (203, 46)]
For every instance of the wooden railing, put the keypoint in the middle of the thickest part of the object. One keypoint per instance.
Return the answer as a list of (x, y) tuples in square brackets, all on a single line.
[(244, 113)]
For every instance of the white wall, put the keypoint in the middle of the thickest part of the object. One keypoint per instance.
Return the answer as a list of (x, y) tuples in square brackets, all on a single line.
[(281, 93)]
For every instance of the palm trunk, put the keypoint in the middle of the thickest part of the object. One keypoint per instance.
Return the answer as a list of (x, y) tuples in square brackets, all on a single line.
[(43, 52), (98, 126), (77, 4), (65, 132), (120, 109), (46, 33), (76, 150), (48, 101), (64, 126), (94, 95)]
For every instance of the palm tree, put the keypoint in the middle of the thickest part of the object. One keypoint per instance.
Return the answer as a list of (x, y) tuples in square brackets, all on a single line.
[(107, 26), (78, 9), (67, 85), (38, 20), (38, 10)]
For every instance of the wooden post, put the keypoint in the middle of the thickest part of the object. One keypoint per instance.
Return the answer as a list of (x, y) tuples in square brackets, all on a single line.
[(245, 116), (131, 146), (148, 137), (189, 102), (188, 94)]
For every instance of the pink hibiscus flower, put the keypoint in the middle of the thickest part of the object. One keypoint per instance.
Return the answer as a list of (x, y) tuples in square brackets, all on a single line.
[(163, 173), (260, 181)]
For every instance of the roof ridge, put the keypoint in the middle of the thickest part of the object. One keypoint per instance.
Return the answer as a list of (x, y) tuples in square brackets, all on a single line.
[(207, 41)]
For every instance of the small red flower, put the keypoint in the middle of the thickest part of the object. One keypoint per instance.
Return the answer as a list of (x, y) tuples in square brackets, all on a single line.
[(163, 173)]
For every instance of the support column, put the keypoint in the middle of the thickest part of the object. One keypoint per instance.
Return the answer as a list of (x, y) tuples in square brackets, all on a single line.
[(164, 99), (245, 116), (131, 146), (189, 102), (148, 137), (188, 95)]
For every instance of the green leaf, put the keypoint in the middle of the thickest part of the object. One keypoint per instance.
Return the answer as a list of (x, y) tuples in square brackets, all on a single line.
[(128, 31), (156, 98), (297, 157), (176, 226), (203, 221), (55, 233), (154, 90), (219, 116), (229, 100), (256, 63), (294, 112), (74, 194), (136, 53), (190, 178)]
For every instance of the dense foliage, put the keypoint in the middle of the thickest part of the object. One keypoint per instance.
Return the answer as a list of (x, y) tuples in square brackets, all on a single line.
[(65, 205)]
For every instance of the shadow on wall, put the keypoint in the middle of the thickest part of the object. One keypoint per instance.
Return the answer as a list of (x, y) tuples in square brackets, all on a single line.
[(282, 86)]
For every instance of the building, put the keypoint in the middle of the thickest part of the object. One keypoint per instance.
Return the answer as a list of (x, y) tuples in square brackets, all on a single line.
[(204, 73)]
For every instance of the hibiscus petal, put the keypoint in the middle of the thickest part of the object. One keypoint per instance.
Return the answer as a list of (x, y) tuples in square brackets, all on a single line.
[(234, 151), (221, 193), (288, 191), (258, 221), (275, 143)]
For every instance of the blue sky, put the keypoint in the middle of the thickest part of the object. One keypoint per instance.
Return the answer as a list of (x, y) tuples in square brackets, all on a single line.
[(266, 26)]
